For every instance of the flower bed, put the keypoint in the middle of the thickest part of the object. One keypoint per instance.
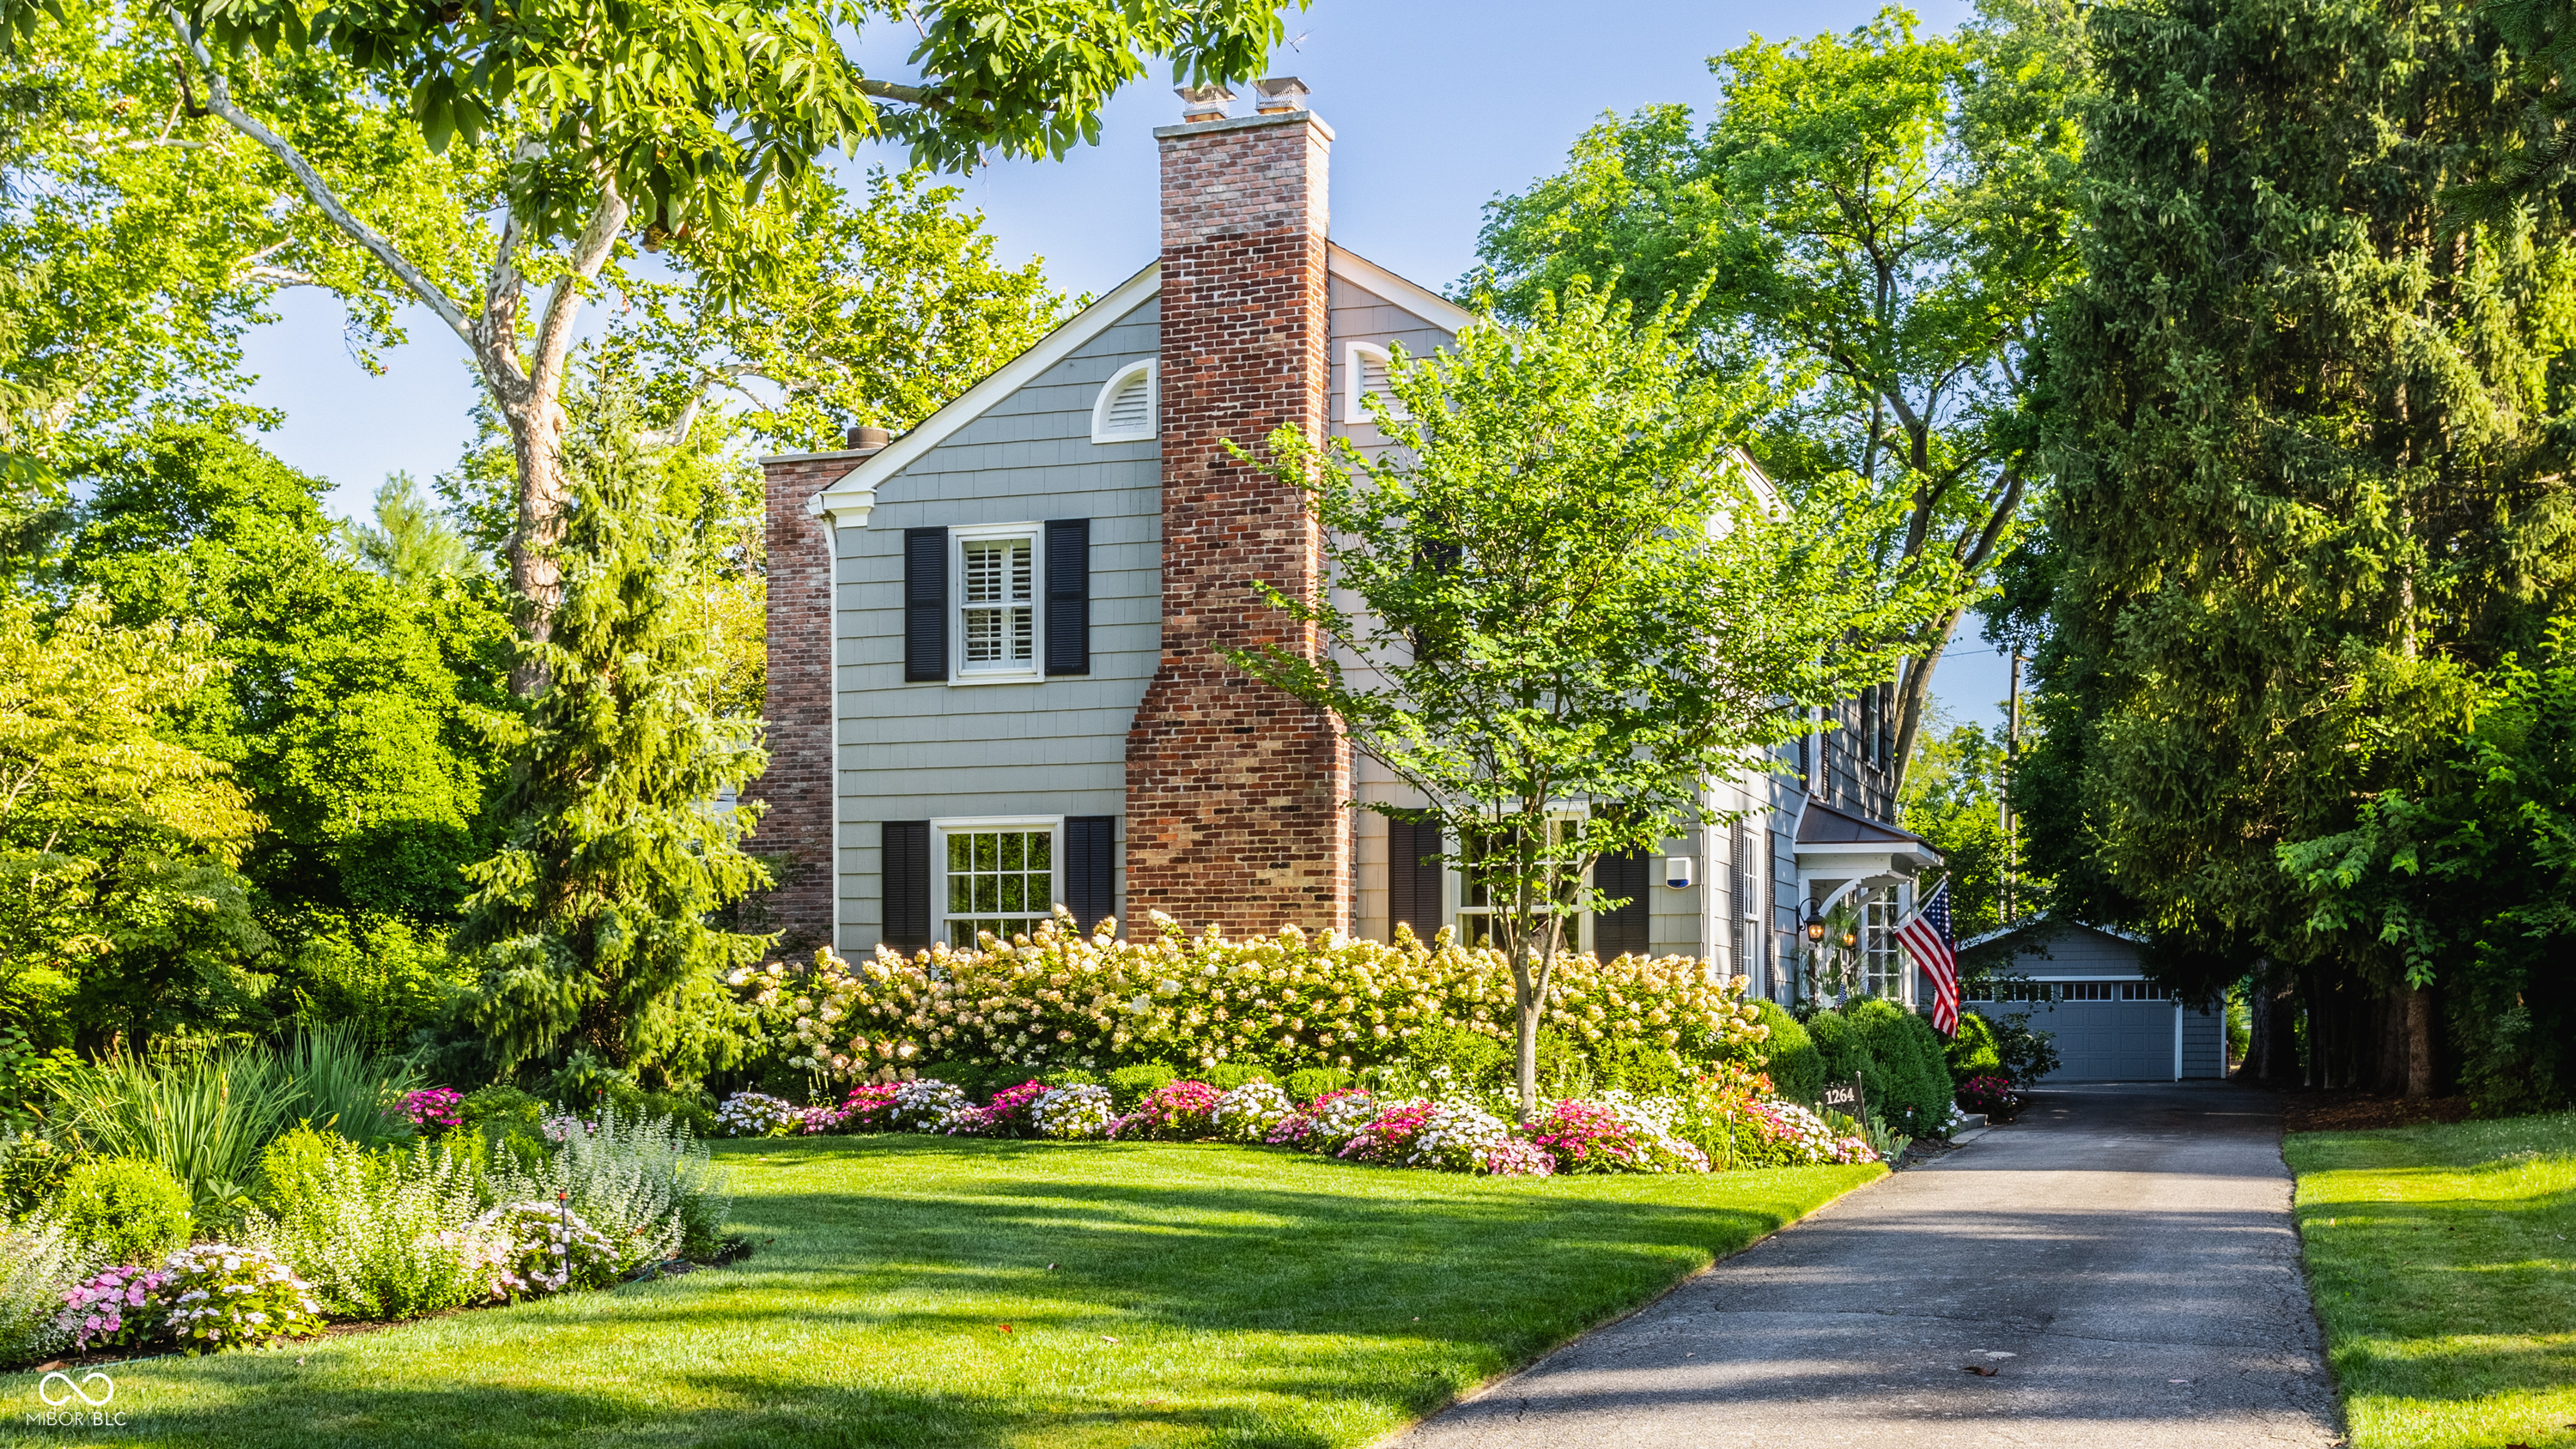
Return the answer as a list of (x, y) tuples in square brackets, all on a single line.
[(1614, 1132), (1059, 997), (341, 1231)]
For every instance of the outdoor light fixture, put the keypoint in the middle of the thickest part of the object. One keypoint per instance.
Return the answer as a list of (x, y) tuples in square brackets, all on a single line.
[(1815, 925), (1851, 938)]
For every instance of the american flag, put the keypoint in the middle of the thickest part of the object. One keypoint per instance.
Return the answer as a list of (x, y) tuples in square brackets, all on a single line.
[(1926, 935)]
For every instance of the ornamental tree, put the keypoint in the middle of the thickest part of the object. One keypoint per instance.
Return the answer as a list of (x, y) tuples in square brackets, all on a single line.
[(594, 924), (1878, 221), (570, 133), (1573, 594)]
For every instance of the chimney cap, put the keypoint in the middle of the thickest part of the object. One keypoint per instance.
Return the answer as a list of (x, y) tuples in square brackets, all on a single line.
[(866, 439), (1203, 103), (1280, 93)]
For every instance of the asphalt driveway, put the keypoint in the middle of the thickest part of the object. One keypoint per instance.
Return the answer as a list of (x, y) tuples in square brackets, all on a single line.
[(2122, 1258)]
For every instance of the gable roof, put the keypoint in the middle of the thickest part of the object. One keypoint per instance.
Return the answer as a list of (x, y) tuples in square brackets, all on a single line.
[(855, 492), (2043, 921)]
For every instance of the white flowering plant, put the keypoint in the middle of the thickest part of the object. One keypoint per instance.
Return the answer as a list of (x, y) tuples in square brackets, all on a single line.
[(757, 1114), (220, 1297), (1250, 1113), (1074, 1113), (551, 1248), (377, 1235), (927, 1105), (1060, 996)]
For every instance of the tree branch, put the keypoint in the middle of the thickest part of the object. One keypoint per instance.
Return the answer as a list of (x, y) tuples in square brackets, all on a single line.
[(891, 91), (219, 101), (563, 300)]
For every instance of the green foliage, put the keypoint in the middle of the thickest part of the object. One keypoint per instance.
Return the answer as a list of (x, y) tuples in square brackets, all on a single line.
[(1876, 220), (340, 1084), (1789, 1055), (123, 912), (1128, 1084), (411, 541), (975, 1080), (1545, 614), (32, 1169), (2026, 1054), (382, 977), (1973, 1052), (2466, 881), (647, 1186), (27, 1074), (1844, 1050), (2301, 506), (1908, 1053), (1953, 797), (1307, 1083), (1226, 1076), (592, 923), (378, 1235), (202, 1117), (1448, 1055), (1642, 1068), (130, 1210), (365, 715)]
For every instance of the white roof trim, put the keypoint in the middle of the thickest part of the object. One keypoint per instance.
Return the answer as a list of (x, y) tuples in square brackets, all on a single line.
[(971, 404), (1419, 300)]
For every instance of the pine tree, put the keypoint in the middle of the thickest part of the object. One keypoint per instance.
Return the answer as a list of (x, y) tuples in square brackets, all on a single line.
[(2308, 473), (595, 923)]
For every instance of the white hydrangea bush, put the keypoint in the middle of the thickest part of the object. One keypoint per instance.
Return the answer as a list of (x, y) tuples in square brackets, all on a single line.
[(928, 1105), (1058, 996)]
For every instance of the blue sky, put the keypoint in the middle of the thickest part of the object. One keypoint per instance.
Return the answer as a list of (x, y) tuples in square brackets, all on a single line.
[(1438, 105)]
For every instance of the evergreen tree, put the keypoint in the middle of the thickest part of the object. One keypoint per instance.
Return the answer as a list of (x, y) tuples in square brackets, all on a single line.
[(2309, 474), (594, 924)]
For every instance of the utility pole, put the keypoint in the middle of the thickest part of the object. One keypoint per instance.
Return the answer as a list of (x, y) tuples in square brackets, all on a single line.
[(2003, 804)]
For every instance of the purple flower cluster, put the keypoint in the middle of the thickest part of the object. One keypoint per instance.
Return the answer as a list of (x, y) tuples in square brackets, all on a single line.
[(432, 1107), (118, 1305)]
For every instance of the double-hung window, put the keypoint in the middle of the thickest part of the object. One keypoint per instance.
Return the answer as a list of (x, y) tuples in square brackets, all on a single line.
[(995, 875), (997, 602), (1480, 899)]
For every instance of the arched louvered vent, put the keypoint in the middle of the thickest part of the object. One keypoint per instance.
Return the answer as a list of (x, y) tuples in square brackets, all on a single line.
[(1367, 376), (1125, 411)]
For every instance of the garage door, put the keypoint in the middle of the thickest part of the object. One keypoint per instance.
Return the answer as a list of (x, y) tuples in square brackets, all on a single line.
[(2103, 1041)]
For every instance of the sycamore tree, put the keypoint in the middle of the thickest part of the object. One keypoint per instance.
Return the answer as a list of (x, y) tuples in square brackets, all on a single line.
[(1574, 597), (1877, 220), (506, 169)]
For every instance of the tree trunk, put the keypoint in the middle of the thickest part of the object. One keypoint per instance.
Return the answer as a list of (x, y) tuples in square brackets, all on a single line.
[(1914, 694), (2419, 1043), (545, 490), (1528, 1073)]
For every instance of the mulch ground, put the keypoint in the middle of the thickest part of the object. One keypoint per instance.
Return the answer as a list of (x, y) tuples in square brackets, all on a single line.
[(2348, 1111)]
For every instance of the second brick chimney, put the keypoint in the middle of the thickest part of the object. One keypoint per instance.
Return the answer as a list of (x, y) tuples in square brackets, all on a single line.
[(1234, 791)]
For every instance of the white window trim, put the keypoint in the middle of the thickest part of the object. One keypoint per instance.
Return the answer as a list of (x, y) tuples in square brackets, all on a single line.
[(1354, 411), (1455, 885), (958, 538), (940, 830), (1152, 371)]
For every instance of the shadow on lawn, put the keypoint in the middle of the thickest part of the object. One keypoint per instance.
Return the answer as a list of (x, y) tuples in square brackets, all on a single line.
[(2395, 1279)]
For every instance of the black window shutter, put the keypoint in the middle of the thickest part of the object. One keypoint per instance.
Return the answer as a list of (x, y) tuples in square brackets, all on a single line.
[(1623, 929), (907, 884), (1068, 598), (925, 606), (1413, 877), (1091, 866)]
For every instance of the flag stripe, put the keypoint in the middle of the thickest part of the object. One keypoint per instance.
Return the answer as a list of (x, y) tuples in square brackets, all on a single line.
[(1926, 937)]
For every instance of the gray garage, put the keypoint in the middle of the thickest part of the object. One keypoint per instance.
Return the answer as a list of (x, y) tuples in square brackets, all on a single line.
[(2083, 985)]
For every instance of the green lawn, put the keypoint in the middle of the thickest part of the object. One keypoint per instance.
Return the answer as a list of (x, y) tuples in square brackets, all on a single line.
[(2444, 1263), (1156, 1295)]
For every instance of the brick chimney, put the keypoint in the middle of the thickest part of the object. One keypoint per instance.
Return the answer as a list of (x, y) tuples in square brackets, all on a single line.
[(1234, 792), (798, 787)]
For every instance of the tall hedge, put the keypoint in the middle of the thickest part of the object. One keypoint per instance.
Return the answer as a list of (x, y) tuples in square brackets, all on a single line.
[(1909, 1052), (1789, 1055), (1845, 1054), (1972, 1052)]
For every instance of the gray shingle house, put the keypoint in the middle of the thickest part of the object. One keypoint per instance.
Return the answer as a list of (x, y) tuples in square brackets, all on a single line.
[(994, 678)]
